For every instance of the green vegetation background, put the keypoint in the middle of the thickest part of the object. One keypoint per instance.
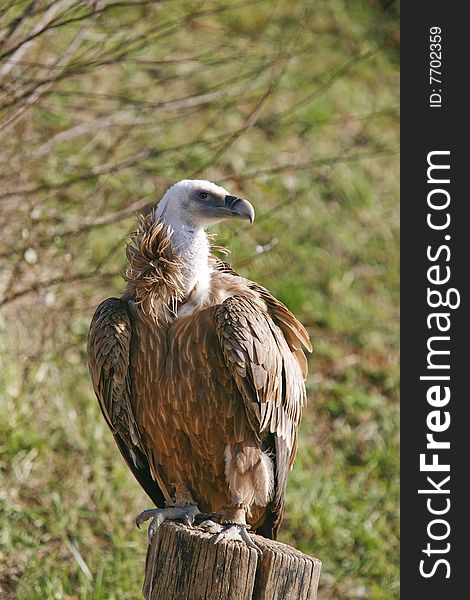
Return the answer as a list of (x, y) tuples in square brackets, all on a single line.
[(103, 105)]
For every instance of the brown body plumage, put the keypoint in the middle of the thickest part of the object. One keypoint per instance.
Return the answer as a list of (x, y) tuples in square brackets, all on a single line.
[(203, 391)]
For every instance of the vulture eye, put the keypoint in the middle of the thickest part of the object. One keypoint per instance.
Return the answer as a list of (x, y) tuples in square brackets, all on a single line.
[(203, 195)]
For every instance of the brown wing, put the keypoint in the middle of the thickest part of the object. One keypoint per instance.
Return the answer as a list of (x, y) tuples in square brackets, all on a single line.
[(295, 333), (109, 343), (261, 343)]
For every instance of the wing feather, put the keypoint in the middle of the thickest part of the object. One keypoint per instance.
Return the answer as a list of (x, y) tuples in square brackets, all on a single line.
[(109, 343), (262, 345), (273, 379)]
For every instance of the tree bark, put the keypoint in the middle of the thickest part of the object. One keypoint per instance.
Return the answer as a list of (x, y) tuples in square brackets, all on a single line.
[(183, 564)]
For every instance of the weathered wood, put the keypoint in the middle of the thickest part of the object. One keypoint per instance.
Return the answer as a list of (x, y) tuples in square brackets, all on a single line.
[(183, 564)]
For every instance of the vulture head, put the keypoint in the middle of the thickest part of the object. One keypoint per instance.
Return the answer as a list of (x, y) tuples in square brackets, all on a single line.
[(196, 204)]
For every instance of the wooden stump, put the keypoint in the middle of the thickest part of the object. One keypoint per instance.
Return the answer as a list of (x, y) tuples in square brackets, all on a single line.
[(183, 564)]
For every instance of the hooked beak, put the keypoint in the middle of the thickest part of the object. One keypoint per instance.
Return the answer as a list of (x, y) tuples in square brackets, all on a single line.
[(239, 207)]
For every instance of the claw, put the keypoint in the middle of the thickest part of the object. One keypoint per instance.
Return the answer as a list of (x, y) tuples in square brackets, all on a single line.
[(145, 515), (210, 526), (248, 541), (238, 532), (185, 513)]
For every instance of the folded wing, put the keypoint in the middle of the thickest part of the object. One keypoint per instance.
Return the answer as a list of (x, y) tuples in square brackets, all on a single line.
[(261, 343), (109, 343)]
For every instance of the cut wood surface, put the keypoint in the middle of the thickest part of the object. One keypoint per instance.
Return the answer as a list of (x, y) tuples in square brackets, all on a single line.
[(184, 564)]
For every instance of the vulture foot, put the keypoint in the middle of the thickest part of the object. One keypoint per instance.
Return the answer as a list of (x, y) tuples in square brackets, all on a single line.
[(230, 531), (210, 526), (185, 513)]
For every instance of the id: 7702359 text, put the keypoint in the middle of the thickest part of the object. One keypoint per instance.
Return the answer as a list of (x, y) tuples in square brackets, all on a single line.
[(435, 63)]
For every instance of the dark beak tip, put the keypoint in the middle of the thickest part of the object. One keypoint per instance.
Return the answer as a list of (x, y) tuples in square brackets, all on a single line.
[(247, 212), (240, 207)]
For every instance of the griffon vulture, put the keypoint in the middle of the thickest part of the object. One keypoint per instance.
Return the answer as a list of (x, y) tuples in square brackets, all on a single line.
[(200, 372)]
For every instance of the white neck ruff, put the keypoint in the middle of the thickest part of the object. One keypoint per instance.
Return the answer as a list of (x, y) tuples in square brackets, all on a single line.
[(192, 246)]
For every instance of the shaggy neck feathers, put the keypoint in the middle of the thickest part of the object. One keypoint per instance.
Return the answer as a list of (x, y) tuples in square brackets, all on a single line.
[(168, 266)]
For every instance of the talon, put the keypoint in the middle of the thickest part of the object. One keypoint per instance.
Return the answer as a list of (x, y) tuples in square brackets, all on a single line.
[(228, 532), (187, 519), (185, 513), (237, 532), (145, 515), (210, 526), (249, 542), (154, 525)]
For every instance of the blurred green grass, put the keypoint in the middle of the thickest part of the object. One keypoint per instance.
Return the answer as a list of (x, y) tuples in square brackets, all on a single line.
[(325, 242)]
